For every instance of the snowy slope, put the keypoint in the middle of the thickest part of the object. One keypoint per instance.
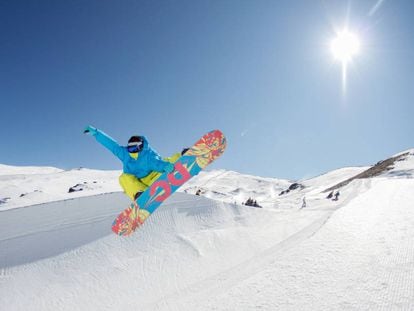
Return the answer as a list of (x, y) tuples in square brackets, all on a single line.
[(206, 253), (233, 187), (403, 167), (25, 186), (362, 258), (26, 170), (74, 262)]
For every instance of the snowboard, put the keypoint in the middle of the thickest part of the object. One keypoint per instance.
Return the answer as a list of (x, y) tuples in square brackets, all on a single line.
[(205, 151)]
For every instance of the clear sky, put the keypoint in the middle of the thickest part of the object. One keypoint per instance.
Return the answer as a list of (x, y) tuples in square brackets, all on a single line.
[(261, 71)]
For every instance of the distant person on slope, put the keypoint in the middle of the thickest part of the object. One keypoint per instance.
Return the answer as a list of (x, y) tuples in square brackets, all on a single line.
[(141, 164)]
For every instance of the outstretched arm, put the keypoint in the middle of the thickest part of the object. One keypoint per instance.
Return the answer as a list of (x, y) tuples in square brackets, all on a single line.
[(106, 141)]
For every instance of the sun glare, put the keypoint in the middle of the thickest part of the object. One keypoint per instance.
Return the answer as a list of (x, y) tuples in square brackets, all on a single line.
[(345, 46)]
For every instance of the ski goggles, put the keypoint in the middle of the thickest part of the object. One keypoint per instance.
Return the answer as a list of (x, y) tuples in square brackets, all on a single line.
[(134, 147)]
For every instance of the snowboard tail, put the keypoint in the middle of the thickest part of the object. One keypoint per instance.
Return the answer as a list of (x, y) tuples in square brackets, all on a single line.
[(207, 149)]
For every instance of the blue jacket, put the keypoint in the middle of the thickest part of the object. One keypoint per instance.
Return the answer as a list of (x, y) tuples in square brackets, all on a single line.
[(148, 159)]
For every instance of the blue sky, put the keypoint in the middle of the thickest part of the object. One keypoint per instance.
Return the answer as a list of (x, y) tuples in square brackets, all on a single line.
[(261, 71)]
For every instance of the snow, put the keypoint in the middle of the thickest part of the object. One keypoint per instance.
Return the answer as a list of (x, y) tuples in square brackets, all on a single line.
[(46, 184), (208, 252), (26, 170), (362, 258), (403, 167)]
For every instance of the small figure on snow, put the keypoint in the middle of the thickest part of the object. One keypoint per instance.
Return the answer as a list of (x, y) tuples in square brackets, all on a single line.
[(330, 195), (336, 196), (304, 202), (142, 165)]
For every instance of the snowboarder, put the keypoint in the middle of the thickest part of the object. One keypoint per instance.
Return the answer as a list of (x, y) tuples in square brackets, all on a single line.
[(141, 164)]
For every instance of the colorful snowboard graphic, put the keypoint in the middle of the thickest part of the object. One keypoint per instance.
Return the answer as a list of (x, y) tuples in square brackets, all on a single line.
[(204, 151)]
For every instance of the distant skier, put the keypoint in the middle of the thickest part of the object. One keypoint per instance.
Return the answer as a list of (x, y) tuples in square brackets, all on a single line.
[(141, 164), (304, 202), (330, 195), (336, 196)]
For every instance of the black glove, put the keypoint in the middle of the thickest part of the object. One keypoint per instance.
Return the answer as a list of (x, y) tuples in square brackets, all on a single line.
[(184, 151), (90, 130)]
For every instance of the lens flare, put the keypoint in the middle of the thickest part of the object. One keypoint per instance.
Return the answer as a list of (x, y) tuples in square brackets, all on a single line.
[(345, 46)]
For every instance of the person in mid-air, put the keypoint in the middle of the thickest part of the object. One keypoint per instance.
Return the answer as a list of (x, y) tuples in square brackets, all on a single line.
[(142, 165)]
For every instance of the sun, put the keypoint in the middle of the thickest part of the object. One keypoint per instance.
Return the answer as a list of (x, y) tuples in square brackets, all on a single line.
[(345, 46)]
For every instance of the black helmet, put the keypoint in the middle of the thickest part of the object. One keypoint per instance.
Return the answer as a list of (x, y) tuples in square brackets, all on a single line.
[(135, 144)]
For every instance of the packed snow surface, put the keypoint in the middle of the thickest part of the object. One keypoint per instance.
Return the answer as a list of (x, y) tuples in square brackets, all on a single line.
[(208, 251)]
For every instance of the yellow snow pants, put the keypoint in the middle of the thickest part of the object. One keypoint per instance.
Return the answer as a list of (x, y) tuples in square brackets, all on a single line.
[(132, 184)]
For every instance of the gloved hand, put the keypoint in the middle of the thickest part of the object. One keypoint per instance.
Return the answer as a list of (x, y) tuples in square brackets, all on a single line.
[(184, 150), (169, 168), (90, 130)]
